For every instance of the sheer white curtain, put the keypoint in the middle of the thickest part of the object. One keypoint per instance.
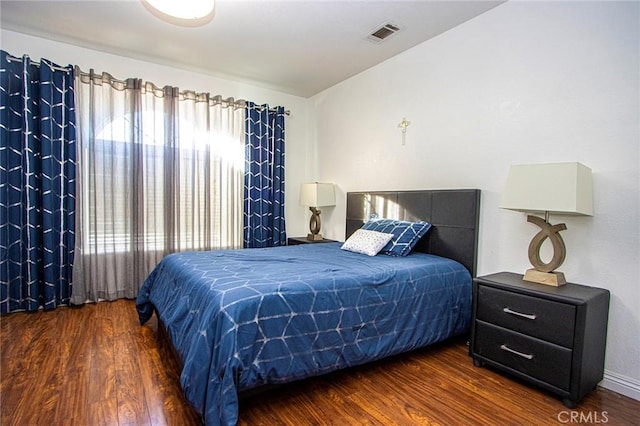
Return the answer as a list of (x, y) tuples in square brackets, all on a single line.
[(159, 171)]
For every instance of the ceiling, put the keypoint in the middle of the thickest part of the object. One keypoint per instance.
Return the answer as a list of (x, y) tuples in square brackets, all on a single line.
[(295, 46)]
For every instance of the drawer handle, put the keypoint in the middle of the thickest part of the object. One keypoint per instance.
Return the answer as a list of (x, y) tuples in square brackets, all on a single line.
[(508, 349), (520, 314)]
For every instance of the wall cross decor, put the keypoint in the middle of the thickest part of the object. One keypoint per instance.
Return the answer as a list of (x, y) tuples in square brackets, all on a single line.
[(403, 128)]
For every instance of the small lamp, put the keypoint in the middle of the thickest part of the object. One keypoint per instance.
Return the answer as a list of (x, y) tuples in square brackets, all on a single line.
[(314, 195), (559, 188)]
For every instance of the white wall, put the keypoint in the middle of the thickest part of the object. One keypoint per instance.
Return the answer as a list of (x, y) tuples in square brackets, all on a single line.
[(525, 82), (296, 125)]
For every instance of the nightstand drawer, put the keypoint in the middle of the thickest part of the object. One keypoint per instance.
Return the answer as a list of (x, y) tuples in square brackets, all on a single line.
[(544, 319), (535, 358)]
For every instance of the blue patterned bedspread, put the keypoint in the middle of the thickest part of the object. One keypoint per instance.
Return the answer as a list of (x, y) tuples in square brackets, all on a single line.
[(243, 318)]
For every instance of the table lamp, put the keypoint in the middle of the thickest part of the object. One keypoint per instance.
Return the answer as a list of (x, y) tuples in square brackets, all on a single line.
[(556, 188), (314, 195)]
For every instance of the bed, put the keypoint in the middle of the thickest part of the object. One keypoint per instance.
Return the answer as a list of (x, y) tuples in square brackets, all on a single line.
[(242, 319)]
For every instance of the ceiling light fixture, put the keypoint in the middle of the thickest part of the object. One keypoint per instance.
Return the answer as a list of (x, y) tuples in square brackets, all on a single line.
[(187, 13)]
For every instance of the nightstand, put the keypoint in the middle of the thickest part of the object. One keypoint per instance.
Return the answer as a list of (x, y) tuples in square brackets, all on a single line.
[(294, 241), (553, 337)]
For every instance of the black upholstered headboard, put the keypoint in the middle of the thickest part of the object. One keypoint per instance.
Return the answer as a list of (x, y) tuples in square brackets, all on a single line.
[(453, 214)]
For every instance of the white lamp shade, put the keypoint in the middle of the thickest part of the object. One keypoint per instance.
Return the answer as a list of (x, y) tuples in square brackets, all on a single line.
[(317, 194), (561, 188)]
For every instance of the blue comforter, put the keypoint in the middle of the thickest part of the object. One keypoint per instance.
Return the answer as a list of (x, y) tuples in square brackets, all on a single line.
[(243, 318)]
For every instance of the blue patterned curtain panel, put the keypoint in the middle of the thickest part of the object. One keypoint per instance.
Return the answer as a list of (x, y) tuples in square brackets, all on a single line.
[(37, 184), (264, 224)]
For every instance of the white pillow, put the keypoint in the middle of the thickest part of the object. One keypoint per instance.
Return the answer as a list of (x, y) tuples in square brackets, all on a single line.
[(366, 242)]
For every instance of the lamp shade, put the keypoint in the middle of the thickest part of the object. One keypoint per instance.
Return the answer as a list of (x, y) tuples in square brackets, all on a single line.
[(560, 188), (317, 194)]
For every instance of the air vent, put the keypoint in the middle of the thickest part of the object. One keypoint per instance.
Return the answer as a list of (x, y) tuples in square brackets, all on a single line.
[(383, 32)]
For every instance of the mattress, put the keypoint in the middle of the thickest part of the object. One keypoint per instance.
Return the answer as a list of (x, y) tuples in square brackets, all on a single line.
[(239, 319)]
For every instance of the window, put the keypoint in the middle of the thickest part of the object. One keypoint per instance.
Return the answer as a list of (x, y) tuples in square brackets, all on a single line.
[(163, 184)]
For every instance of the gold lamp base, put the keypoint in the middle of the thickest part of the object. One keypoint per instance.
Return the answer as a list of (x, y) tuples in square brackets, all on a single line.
[(555, 279), (544, 272), (314, 225)]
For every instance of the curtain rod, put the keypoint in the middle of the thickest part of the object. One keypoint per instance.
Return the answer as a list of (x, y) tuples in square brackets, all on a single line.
[(36, 63), (217, 99), (241, 103)]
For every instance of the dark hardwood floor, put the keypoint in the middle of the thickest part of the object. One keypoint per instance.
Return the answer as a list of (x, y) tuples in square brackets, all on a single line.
[(95, 365)]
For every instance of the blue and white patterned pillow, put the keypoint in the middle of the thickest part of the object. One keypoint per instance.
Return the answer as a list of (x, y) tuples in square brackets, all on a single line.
[(405, 234), (366, 242)]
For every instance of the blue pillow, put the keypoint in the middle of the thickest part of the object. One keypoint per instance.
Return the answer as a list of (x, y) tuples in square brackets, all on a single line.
[(405, 234)]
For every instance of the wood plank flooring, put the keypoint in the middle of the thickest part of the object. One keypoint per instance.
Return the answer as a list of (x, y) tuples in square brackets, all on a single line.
[(95, 365)]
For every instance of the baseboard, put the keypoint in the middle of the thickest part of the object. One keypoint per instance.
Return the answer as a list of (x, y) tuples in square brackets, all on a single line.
[(621, 384)]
